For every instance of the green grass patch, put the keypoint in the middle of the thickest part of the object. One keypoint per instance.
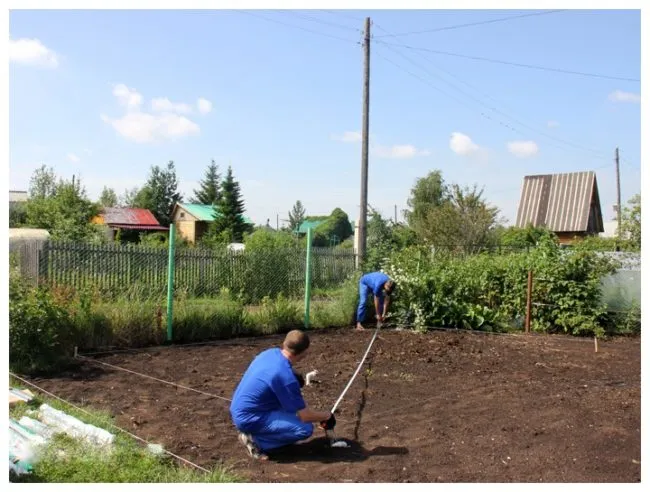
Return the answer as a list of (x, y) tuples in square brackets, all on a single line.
[(67, 460)]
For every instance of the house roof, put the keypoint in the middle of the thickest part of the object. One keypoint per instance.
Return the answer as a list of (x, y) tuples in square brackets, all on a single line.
[(560, 202), (17, 196), (131, 218), (307, 224), (203, 213)]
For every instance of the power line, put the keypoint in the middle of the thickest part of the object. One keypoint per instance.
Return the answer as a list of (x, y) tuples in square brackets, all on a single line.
[(320, 21), (471, 24), (514, 64), (295, 26), (496, 110)]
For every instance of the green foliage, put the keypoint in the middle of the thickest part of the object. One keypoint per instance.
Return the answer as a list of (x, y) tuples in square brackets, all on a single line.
[(296, 216), (61, 208), (68, 460), (631, 222), (267, 240), (209, 192), (338, 308), (335, 229), (277, 315), (41, 332), (383, 237), (596, 243), (17, 215), (450, 217), (488, 292), (108, 197), (229, 225), (160, 193), (523, 237)]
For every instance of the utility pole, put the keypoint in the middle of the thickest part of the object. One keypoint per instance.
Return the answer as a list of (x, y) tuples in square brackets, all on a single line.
[(363, 212), (277, 222), (395, 214), (618, 197)]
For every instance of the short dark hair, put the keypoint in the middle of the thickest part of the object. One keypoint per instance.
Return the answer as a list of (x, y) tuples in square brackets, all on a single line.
[(389, 286), (296, 342)]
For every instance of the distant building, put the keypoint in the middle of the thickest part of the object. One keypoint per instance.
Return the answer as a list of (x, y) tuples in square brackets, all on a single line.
[(16, 198), (128, 219), (193, 219), (567, 204)]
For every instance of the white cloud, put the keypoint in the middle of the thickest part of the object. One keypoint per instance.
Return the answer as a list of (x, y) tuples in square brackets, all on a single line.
[(522, 148), (553, 124), (161, 104), (129, 98), (399, 152), (145, 128), (461, 144), (142, 127), (73, 157), (33, 53), (204, 106), (348, 137), (625, 97)]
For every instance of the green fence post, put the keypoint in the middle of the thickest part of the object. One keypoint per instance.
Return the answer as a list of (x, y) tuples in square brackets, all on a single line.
[(308, 278), (170, 280)]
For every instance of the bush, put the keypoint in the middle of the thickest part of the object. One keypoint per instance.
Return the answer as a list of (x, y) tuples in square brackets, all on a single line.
[(339, 307), (277, 315), (41, 332), (488, 292)]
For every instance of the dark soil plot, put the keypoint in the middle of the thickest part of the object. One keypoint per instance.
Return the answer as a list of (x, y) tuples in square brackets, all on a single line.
[(445, 406)]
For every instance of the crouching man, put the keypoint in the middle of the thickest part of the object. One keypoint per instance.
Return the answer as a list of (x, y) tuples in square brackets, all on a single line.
[(268, 408)]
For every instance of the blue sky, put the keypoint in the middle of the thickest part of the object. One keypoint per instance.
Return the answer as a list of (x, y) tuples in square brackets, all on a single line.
[(107, 94)]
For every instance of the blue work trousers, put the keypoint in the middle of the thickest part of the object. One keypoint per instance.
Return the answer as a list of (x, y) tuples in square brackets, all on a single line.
[(281, 428), (364, 292)]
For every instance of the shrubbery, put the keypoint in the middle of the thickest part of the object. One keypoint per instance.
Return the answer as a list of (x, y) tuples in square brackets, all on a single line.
[(488, 292)]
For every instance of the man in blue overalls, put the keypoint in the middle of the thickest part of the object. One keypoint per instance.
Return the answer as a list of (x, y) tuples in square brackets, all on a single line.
[(381, 287), (268, 408)]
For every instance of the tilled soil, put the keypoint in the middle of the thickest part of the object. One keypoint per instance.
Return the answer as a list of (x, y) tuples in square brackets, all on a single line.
[(440, 407)]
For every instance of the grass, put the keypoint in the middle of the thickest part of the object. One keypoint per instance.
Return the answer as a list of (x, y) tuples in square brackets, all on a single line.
[(66, 460)]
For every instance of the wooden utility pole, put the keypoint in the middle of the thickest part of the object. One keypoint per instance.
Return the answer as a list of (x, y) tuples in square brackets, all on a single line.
[(618, 197), (363, 212), (395, 214)]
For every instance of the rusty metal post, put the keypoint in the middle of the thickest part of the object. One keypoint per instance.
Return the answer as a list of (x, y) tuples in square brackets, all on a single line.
[(529, 300)]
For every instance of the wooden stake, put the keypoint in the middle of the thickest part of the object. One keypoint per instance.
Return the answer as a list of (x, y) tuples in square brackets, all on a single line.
[(529, 300), (595, 343), (75, 352)]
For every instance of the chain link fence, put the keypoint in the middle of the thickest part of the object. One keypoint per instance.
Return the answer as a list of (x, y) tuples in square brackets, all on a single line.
[(140, 272)]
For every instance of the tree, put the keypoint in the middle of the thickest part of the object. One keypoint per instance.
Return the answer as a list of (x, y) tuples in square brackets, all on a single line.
[(108, 198), (335, 229), (43, 183), (427, 193), (62, 208), (296, 215), (450, 217), (631, 221), (229, 226), (128, 199), (209, 192), (160, 193)]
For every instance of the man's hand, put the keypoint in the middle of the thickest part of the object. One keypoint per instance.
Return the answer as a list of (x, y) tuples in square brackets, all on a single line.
[(329, 423)]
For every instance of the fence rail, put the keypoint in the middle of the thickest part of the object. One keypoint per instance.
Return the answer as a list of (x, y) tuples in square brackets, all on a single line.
[(116, 269)]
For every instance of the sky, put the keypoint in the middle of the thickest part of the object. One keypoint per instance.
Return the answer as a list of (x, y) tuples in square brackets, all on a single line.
[(104, 95)]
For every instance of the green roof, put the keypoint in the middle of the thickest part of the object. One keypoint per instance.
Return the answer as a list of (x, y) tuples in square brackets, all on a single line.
[(204, 213), (306, 224)]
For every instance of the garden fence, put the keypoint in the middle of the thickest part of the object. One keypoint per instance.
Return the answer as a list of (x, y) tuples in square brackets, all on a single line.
[(142, 271)]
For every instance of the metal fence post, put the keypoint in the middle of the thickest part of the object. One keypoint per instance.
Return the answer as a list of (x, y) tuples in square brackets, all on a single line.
[(308, 278), (170, 281)]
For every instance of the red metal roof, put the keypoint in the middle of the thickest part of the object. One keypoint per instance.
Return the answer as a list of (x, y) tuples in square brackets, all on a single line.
[(139, 227), (129, 217)]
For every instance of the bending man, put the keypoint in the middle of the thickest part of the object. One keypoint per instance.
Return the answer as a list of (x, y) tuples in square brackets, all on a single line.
[(268, 408), (381, 287)]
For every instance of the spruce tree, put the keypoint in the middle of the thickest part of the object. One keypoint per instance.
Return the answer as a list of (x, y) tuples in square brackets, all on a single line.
[(229, 224), (209, 191)]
